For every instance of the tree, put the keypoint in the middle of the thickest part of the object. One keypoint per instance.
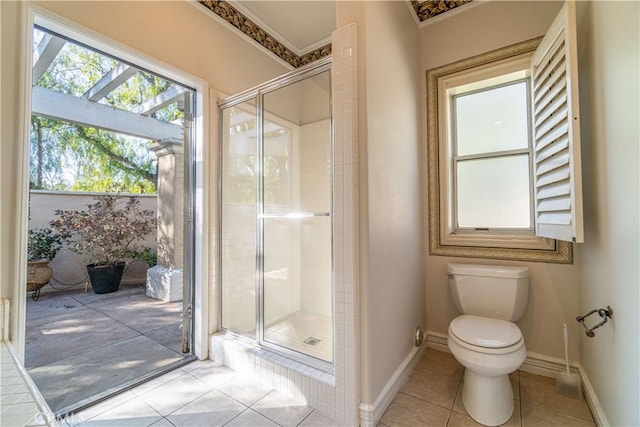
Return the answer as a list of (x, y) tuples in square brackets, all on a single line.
[(66, 156)]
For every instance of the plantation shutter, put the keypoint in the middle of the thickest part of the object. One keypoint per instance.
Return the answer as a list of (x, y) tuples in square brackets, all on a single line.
[(556, 141)]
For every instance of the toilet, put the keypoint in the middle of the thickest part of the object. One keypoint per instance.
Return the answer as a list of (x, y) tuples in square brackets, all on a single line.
[(484, 338)]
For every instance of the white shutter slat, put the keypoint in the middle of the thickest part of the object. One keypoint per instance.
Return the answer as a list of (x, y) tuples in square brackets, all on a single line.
[(555, 204), (557, 218), (555, 48), (552, 177), (553, 163), (548, 84), (554, 66), (554, 121), (550, 149), (561, 188), (551, 104), (556, 141), (556, 134)]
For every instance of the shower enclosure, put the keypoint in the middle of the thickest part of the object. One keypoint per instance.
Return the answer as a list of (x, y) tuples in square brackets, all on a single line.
[(276, 204)]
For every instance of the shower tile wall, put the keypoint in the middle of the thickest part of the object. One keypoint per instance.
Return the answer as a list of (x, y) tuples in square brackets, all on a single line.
[(239, 220), (315, 179)]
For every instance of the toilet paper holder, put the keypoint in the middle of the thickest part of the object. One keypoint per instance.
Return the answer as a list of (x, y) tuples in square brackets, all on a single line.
[(604, 313)]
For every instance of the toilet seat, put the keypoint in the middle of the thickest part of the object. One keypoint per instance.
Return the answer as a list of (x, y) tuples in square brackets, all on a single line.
[(485, 335)]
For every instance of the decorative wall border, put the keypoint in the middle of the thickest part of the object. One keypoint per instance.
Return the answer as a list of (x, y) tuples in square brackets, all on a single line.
[(424, 10), (429, 8), (227, 12)]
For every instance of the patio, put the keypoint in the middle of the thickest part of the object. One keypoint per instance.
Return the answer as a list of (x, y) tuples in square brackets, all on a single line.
[(82, 345)]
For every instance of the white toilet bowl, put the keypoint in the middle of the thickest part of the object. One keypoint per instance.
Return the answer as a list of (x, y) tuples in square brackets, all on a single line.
[(489, 349)]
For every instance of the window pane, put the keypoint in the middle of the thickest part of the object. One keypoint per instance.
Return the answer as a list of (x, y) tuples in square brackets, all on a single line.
[(492, 120), (494, 193)]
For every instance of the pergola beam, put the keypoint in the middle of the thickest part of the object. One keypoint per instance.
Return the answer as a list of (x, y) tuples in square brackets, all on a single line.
[(44, 54), (67, 108), (165, 98), (109, 82)]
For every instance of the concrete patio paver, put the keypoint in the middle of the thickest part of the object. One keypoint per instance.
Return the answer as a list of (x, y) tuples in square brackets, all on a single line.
[(81, 344)]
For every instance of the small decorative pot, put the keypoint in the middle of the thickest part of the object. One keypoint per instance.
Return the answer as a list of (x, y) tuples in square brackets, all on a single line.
[(38, 274)]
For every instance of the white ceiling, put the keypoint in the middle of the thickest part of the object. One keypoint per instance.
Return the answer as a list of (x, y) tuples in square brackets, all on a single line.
[(300, 25)]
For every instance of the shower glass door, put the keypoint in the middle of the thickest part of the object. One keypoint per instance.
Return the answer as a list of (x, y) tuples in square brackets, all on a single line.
[(277, 248), (239, 213), (296, 217)]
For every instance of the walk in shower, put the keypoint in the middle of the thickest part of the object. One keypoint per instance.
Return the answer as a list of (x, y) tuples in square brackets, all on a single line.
[(276, 204)]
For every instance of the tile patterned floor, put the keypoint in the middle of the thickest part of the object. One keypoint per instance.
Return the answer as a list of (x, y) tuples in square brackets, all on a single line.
[(19, 404), (200, 394), (432, 397), (206, 394)]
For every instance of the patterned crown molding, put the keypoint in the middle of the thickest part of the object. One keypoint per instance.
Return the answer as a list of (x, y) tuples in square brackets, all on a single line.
[(430, 8), (227, 12)]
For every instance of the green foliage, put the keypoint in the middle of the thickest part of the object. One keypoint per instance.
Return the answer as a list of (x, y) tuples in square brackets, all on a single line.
[(65, 156), (108, 230), (44, 243), (148, 255)]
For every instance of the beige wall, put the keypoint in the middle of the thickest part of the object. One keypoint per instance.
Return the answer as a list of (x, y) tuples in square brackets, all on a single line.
[(553, 294), (392, 275), (610, 257), (11, 84), (176, 33)]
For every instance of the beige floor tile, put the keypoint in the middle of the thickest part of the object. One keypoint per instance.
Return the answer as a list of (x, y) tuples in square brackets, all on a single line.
[(439, 362), (438, 389), (460, 420), (162, 423), (245, 390), (318, 419), (250, 418), (407, 410), (212, 409), (176, 393), (536, 415), (157, 382), (213, 374), (514, 378), (514, 421), (95, 410), (282, 409), (132, 413), (541, 391)]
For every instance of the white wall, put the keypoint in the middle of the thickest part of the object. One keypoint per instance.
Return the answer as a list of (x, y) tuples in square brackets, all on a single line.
[(610, 257), (392, 275), (553, 295)]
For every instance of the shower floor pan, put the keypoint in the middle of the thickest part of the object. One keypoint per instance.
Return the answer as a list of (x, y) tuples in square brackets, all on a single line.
[(305, 332)]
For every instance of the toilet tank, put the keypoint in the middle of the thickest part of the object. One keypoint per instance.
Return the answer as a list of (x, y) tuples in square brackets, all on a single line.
[(493, 291)]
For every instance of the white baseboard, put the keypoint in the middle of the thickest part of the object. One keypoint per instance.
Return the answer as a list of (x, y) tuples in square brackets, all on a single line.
[(371, 413), (539, 364), (592, 399)]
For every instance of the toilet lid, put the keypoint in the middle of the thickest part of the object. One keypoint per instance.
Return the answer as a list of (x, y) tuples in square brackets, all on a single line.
[(485, 332)]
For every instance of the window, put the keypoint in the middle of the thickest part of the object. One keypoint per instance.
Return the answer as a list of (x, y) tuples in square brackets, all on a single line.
[(503, 151)]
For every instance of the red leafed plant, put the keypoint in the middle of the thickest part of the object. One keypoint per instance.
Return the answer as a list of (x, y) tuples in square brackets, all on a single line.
[(108, 230)]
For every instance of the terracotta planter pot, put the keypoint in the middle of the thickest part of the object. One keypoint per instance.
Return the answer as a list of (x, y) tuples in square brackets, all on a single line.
[(38, 274)]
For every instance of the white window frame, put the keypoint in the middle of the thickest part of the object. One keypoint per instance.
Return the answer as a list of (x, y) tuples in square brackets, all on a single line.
[(527, 58)]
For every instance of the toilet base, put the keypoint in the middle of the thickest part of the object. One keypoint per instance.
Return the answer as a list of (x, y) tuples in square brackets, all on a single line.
[(487, 399)]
